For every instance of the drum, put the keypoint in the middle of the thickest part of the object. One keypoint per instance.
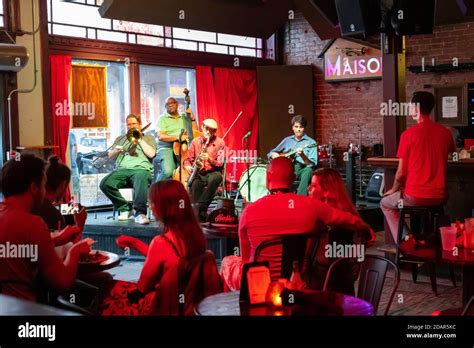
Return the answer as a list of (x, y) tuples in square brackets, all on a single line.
[(258, 183), (323, 152)]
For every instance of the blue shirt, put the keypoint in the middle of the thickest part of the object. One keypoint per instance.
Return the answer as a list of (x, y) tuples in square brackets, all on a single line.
[(291, 143)]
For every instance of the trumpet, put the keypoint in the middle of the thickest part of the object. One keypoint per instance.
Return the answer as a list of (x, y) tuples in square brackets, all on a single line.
[(133, 136)]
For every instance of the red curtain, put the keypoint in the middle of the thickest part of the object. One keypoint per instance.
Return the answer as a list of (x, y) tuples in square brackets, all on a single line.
[(60, 76), (205, 94), (236, 91)]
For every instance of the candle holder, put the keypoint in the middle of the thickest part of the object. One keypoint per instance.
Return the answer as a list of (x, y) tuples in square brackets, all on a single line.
[(274, 292)]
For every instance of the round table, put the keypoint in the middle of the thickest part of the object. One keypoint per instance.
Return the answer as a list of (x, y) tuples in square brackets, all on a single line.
[(463, 258), (228, 236), (319, 303), (94, 267)]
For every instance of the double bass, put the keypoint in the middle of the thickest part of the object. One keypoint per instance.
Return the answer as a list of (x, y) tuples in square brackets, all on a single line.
[(181, 146)]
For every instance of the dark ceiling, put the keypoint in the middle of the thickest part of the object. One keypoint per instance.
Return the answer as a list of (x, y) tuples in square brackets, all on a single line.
[(254, 18)]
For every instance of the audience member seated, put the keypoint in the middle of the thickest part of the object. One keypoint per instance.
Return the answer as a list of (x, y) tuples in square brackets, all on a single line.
[(25, 240), (182, 241), (328, 187), (58, 177), (281, 212)]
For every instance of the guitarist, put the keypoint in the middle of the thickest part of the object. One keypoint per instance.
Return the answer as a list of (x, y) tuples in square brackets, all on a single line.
[(168, 129), (305, 159), (209, 165)]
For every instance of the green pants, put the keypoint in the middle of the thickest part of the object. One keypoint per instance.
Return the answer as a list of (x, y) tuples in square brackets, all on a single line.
[(303, 174), (138, 179)]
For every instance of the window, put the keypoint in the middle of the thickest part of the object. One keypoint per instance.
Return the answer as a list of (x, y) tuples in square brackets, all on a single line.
[(2, 14), (157, 83), (92, 141), (81, 18)]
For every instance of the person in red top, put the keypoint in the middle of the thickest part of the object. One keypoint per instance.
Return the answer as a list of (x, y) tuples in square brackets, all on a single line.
[(27, 252), (281, 212), (205, 185), (157, 289), (423, 158)]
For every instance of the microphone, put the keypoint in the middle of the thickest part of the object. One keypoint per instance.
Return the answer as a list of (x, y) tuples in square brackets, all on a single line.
[(247, 135)]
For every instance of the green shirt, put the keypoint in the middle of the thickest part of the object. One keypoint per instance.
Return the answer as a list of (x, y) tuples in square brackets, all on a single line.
[(172, 126), (137, 159)]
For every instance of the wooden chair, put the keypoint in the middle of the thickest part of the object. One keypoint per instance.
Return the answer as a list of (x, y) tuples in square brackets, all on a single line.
[(294, 248)]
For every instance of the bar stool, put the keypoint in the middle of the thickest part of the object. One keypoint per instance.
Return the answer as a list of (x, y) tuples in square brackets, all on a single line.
[(429, 225)]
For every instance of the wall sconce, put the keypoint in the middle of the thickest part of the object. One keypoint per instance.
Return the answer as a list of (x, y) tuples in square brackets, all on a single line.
[(350, 51)]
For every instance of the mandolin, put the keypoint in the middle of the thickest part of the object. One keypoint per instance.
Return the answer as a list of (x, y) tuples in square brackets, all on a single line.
[(293, 152)]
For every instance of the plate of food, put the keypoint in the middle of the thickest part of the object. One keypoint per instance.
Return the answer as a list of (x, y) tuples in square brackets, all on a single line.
[(95, 257)]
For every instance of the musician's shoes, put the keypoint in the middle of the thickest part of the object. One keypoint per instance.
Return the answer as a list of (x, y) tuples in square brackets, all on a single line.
[(142, 219), (124, 216)]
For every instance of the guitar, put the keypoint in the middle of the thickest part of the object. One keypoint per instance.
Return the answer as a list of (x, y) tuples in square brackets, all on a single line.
[(293, 152)]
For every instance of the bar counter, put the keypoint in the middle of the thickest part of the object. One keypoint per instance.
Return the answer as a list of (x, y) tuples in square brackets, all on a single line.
[(459, 182)]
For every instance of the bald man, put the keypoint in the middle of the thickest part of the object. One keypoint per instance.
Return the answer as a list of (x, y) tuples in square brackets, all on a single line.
[(204, 187), (281, 212), (168, 129)]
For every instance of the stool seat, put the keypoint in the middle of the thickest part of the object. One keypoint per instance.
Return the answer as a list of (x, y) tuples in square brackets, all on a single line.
[(430, 218)]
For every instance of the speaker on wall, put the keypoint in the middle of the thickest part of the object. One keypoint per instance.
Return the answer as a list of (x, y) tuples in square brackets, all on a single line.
[(358, 17), (413, 17)]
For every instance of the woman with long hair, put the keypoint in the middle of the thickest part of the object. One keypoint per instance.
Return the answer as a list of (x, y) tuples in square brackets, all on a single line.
[(156, 292), (327, 186)]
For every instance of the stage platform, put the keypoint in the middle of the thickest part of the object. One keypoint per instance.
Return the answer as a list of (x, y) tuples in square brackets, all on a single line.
[(105, 230)]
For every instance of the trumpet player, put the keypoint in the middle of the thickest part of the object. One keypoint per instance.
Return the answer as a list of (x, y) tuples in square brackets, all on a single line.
[(208, 166), (134, 153)]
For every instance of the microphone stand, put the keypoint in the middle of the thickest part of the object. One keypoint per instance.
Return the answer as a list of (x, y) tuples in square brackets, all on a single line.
[(247, 164), (224, 189), (180, 154)]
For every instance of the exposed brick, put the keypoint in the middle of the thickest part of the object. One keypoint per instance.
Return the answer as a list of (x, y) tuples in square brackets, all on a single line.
[(340, 105)]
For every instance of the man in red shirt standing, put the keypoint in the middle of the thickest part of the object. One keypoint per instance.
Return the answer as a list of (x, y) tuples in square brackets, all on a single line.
[(209, 166), (423, 157)]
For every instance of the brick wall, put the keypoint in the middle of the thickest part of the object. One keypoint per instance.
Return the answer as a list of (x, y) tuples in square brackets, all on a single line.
[(344, 105), (447, 42), (339, 107)]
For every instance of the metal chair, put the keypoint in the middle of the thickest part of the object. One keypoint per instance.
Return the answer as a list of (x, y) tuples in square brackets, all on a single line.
[(89, 292), (469, 309), (294, 248), (371, 279)]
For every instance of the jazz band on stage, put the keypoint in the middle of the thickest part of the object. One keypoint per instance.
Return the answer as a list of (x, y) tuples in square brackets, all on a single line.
[(184, 153)]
